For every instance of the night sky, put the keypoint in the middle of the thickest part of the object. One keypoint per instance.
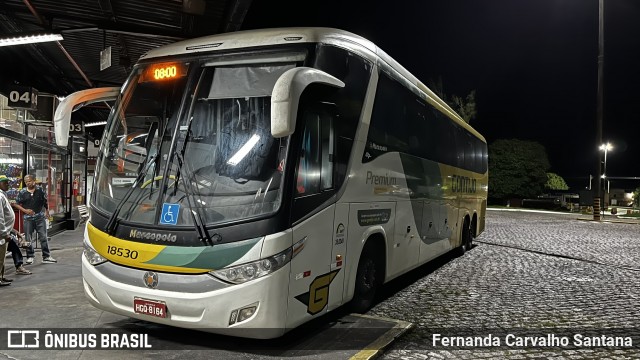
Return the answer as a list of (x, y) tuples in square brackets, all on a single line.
[(533, 64)]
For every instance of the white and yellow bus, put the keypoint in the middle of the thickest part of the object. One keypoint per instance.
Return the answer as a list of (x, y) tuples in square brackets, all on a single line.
[(249, 182)]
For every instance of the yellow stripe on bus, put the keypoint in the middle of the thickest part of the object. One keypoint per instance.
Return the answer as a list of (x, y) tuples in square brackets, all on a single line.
[(131, 253)]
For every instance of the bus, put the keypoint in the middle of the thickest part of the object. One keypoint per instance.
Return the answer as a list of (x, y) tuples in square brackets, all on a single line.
[(249, 182)]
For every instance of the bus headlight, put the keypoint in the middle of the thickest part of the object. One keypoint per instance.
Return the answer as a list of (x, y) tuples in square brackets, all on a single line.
[(92, 256), (253, 270)]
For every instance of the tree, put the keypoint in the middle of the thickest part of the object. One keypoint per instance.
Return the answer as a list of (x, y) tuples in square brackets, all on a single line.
[(517, 169), (437, 87), (555, 182), (465, 107)]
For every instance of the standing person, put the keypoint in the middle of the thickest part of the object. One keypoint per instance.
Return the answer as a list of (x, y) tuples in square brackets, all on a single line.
[(7, 219), (32, 201)]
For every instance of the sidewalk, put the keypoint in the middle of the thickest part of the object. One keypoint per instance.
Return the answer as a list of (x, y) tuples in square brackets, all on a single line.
[(605, 217), (64, 241), (608, 218)]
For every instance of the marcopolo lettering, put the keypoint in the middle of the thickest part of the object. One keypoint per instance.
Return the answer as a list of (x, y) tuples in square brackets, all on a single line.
[(463, 184), (380, 179), (377, 147), (146, 235)]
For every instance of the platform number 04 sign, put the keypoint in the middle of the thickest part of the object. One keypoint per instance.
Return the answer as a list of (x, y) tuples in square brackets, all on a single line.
[(23, 97)]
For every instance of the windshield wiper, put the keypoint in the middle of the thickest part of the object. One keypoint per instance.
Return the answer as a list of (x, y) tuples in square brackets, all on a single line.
[(111, 224), (203, 233)]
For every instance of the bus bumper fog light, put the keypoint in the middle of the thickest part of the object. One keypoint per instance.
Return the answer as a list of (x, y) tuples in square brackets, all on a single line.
[(247, 313), (242, 314)]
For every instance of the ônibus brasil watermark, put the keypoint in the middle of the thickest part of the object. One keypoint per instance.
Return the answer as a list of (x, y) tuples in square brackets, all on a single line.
[(75, 339)]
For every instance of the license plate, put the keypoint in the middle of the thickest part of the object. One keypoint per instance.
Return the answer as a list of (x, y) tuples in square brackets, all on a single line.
[(150, 307)]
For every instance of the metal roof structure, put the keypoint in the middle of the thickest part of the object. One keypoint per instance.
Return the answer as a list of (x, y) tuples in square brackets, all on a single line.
[(129, 27)]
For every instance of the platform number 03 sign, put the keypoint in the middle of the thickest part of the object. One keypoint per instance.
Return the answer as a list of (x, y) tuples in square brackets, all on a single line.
[(76, 127)]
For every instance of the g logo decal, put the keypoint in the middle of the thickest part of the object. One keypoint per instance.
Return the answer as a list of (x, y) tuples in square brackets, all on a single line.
[(318, 296)]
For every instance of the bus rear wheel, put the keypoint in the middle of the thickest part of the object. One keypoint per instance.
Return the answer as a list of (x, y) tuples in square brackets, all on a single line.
[(472, 232), (368, 280), (467, 235), (466, 238)]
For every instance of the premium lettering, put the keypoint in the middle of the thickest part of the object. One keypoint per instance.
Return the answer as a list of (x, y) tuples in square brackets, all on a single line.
[(380, 179)]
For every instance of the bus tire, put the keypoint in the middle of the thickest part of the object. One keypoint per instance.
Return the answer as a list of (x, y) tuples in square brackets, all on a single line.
[(368, 280), (472, 232), (466, 238)]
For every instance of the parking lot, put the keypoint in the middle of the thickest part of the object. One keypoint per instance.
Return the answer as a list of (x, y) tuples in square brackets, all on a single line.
[(528, 273)]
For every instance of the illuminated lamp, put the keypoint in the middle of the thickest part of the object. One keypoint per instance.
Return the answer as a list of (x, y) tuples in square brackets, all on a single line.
[(29, 39)]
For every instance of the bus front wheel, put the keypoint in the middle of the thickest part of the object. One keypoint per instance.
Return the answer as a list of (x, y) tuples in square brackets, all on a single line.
[(368, 280)]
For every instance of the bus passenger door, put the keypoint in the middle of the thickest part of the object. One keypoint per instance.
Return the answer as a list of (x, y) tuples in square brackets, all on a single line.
[(311, 275), (316, 281), (339, 254)]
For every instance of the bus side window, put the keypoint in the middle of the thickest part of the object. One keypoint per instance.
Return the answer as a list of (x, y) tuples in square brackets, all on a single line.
[(315, 166)]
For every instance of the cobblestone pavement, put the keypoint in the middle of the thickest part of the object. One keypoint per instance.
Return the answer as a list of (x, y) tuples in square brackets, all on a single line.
[(529, 274)]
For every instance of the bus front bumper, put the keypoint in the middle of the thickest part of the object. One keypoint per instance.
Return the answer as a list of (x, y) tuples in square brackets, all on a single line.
[(196, 302)]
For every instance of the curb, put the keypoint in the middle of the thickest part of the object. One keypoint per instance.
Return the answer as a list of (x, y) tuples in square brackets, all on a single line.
[(611, 221)]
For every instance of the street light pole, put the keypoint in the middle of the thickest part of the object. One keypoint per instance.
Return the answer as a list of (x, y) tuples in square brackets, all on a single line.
[(599, 109), (606, 147), (604, 177)]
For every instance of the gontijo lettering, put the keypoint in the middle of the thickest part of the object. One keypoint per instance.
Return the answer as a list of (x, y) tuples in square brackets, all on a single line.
[(463, 184)]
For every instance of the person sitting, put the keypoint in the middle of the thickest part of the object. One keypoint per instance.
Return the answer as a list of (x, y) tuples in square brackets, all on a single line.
[(16, 254)]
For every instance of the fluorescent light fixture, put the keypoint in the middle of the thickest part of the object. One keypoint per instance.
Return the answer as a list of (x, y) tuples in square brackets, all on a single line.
[(244, 150), (11, 161), (30, 39), (95, 123)]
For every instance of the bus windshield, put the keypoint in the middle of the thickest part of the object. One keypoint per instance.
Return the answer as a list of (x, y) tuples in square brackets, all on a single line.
[(201, 148)]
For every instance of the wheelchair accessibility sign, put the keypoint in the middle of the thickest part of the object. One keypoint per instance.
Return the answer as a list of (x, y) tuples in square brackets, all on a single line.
[(169, 214)]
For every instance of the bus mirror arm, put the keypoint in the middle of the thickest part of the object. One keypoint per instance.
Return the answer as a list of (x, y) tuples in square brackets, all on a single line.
[(62, 116), (286, 96)]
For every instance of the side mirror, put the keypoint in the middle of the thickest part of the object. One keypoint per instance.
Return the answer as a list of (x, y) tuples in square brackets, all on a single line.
[(286, 95), (62, 116)]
